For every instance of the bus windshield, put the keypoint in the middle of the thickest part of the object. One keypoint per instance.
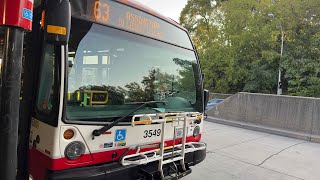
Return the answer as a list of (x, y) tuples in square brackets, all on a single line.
[(111, 72)]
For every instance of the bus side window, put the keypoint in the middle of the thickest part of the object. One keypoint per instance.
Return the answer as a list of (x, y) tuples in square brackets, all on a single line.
[(46, 86)]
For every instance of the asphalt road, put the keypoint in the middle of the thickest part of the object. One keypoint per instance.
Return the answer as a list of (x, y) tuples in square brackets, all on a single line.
[(235, 153)]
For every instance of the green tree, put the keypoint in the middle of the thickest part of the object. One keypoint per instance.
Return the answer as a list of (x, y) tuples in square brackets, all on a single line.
[(149, 87), (239, 45), (302, 64), (135, 92), (186, 79)]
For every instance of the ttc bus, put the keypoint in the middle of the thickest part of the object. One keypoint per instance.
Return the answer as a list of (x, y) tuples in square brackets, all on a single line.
[(118, 92)]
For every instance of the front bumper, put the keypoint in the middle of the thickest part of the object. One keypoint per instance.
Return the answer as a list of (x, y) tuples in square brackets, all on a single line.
[(116, 171)]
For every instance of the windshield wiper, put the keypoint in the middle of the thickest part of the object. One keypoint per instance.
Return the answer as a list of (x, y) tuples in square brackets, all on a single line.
[(105, 128)]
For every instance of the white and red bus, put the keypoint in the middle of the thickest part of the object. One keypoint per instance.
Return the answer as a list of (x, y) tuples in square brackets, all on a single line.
[(119, 92)]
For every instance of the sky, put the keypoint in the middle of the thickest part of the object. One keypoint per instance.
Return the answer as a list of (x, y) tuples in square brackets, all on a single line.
[(168, 8)]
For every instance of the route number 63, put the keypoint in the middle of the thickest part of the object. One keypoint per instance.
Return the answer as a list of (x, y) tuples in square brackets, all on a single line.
[(101, 11)]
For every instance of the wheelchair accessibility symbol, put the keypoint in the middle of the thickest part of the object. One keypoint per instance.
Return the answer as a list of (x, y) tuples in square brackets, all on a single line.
[(120, 135)]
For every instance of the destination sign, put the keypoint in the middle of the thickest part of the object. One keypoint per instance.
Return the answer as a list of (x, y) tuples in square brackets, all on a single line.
[(118, 15)]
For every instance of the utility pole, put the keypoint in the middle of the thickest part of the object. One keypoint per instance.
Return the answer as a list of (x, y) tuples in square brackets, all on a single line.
[(279, 89), (15, 18)]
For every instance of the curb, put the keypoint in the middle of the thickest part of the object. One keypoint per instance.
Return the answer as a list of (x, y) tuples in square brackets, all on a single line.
[(254, 127)]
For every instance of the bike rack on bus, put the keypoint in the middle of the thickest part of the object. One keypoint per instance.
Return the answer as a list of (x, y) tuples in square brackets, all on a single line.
[(177, 152)]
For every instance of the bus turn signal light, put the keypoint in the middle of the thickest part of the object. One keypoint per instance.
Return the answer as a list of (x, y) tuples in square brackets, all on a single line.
[(199, 117), (68, 134)]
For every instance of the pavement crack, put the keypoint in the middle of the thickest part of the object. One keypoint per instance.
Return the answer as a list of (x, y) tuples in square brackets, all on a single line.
[(279, 152), (210, 152), (257, 165)]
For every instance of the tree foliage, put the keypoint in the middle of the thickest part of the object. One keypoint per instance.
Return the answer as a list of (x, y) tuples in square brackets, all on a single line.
[(239, 44), (159, 85)]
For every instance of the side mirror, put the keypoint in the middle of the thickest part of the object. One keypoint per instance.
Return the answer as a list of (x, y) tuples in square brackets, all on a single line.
[(57, 21), (206, 97)]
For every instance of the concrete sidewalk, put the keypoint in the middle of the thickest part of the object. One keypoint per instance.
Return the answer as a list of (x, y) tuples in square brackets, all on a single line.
[(235, 153)]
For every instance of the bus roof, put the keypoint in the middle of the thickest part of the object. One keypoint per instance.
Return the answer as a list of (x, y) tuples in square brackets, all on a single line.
[(146, 9)]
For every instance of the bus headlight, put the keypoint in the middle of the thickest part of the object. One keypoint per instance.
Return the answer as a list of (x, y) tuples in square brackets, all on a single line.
[(196, 131), (74, 150)]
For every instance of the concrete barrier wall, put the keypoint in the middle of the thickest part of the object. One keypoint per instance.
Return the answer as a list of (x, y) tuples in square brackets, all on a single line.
[(219, 95), (297, 114)]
